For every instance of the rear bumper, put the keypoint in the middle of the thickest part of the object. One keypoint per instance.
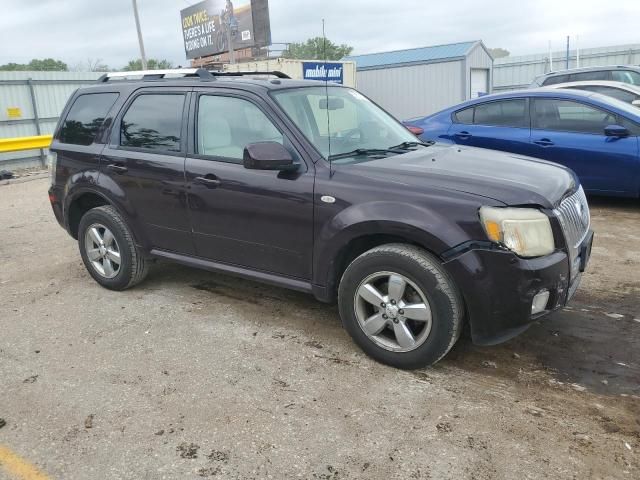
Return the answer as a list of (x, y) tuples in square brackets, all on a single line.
[(498, 288), (55, 198)]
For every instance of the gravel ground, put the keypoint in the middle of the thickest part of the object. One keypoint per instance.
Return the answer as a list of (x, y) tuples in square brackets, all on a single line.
[(194, 374)]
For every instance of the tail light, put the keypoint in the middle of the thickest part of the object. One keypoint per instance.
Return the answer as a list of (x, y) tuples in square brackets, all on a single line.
[(417, 131)]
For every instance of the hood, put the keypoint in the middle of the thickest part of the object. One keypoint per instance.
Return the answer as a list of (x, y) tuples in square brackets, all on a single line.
[(508, 178)]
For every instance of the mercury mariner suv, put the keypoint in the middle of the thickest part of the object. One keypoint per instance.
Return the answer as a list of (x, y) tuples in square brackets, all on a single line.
[(314, 187)]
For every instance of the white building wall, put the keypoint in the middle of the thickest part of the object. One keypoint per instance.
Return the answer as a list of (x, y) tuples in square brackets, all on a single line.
[(414, 91), (510, 73)]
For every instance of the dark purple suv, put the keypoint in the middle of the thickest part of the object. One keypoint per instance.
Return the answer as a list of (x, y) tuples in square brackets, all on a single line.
[(315, 188)]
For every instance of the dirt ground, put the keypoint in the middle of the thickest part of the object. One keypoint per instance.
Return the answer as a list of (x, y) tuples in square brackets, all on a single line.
[(194, 374)]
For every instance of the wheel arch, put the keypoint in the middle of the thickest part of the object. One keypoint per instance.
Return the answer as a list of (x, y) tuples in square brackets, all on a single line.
[(359, 238)]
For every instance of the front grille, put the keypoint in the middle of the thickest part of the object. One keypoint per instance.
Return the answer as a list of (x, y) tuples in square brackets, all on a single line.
[(575, 219)]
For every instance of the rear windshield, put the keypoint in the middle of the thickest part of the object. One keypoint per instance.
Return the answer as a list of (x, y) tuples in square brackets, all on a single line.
[(85, 118)]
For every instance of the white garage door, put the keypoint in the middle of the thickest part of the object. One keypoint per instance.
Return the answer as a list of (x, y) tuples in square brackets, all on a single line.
[(479, 82)]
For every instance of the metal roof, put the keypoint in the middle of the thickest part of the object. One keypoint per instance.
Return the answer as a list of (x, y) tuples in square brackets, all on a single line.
[(435, 53)]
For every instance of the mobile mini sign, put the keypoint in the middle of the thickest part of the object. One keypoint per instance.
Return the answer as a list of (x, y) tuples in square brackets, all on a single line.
[(324, 71), (207, 26)]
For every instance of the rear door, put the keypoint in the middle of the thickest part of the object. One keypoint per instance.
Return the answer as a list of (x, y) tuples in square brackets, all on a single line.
[(144, 164), (572, 134), (498, 125)]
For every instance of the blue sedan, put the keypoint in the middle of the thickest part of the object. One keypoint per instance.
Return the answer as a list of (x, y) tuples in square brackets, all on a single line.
[(594, 135)]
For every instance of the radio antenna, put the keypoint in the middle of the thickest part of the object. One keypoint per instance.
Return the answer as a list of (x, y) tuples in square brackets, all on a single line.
[(326, 94)]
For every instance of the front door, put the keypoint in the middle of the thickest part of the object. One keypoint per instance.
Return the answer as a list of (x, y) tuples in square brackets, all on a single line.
[(144, 162), (572, 134), (250, 218)]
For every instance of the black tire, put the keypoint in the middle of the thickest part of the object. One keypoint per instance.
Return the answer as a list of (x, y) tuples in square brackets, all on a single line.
[(133, 267), (426, 272)]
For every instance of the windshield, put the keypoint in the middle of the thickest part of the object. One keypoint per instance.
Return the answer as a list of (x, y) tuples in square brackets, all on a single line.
[(340, 120)]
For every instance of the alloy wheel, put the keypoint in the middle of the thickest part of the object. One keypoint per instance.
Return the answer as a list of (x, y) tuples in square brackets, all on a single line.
[(393, 312)]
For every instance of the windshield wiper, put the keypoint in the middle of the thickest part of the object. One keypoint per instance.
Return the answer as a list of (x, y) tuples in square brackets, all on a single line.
[(408, 145), (361, 151)]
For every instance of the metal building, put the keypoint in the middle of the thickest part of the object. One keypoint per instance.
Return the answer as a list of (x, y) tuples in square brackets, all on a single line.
[(30, 104), (419, 81), (511, 73)]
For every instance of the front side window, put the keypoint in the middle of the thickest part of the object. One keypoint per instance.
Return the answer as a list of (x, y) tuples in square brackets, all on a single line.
[(507, 113), (555, 79), (85, 118), (568, 116), (626, 76), (154, 122), (226, 125), (339, 120)]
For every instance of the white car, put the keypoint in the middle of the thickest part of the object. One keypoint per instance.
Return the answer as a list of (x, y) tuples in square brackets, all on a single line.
[(622, 91)]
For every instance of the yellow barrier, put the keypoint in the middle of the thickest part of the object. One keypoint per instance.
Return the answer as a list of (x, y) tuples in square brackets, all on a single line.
[(25, 143)]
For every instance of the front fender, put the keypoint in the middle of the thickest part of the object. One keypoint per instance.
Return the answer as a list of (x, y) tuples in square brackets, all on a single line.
[(433, 230)]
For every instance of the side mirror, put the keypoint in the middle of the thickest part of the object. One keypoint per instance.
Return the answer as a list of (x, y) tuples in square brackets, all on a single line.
[(636, 103), (267, 156), (616, 131)]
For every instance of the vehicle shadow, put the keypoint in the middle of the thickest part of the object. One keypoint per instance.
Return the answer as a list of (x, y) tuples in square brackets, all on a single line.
[(586, 348), (574, 346)]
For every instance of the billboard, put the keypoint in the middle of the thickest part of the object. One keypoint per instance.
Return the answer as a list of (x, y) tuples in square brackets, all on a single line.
[(208, 25), (325, 71)]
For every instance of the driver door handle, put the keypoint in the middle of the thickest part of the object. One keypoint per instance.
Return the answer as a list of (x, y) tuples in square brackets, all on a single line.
[(209, 180), (543, 142), (463, 135)]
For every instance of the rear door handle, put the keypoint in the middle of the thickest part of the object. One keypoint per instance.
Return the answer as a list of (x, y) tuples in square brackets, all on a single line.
[(462, 135), (543, 142), (209, 180), (114, 167)]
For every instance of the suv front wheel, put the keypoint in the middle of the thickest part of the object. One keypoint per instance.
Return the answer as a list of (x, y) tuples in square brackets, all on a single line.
[(108, 250), (400, 306)]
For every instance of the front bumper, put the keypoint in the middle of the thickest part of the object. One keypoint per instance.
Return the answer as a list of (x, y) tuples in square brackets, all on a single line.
[(498, 288)]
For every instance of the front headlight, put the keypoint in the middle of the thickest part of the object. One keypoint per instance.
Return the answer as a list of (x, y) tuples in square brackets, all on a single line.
[(525, 231)]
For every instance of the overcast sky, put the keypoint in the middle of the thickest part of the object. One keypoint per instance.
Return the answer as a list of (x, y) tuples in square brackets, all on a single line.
[(75, 30)]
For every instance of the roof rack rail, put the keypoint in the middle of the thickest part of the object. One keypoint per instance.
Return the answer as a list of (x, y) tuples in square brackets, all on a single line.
[(274, 73), (157, 74)]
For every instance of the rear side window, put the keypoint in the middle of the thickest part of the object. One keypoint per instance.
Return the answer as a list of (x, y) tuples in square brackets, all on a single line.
[(626, 76), (85, 118), (597, 75), (618, 93), (154, 122), (507, 113), (464, 116), (555, 79)]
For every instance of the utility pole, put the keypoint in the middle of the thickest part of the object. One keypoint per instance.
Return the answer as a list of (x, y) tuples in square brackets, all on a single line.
[(567, 61), (143, 57), (232, 53)]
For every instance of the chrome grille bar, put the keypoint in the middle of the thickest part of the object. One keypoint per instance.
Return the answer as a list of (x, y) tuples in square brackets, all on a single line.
[(575, 219)]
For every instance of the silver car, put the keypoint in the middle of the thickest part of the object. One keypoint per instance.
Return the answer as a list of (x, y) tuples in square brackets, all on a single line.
[(622, 91)]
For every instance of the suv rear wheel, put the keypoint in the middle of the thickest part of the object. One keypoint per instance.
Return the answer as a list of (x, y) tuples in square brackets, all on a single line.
[(108, 250), (400, 306)]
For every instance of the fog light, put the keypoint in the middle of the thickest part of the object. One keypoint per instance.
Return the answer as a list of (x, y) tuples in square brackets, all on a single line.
[(540, 301)]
